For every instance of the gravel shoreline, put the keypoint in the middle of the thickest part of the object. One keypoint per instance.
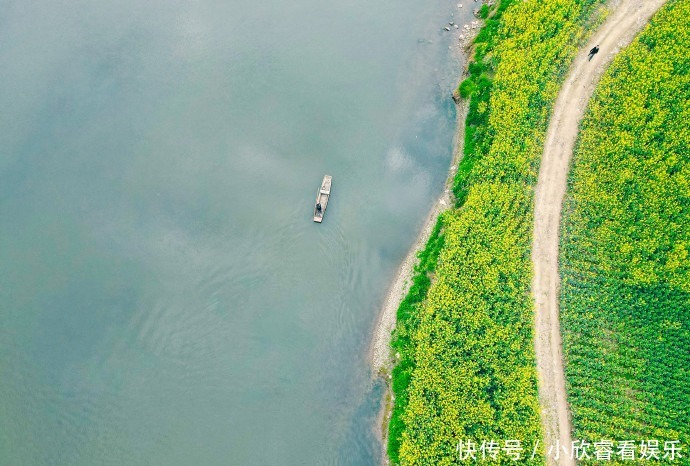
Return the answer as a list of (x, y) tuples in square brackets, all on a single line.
[(381, 359), (380, 352)]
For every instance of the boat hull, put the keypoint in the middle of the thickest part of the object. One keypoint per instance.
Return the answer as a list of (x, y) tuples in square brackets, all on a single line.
[(322, 197)]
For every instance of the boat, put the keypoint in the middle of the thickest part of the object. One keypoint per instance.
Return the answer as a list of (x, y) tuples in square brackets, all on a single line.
[(322, 198)]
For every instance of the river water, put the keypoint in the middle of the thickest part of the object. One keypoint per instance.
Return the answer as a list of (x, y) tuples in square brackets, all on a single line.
[(165, 298)]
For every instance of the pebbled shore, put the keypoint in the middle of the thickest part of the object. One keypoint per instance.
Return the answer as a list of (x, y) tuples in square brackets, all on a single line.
[(380, 352)]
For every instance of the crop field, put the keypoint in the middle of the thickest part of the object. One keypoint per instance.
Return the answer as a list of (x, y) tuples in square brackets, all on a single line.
[(625, 248), (466, 367)]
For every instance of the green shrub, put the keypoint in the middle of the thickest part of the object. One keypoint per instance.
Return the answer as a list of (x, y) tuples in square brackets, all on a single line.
[(467, 88), (484, 11)]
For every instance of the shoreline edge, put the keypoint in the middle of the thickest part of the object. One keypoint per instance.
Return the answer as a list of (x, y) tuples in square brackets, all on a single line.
[(380, 354)]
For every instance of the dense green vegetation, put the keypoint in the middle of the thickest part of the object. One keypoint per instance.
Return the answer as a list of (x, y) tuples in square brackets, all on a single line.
[(466, 366), (625, 253), (407, 322)]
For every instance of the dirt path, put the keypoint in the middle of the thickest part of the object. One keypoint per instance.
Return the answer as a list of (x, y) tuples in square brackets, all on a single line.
[(626, 20)]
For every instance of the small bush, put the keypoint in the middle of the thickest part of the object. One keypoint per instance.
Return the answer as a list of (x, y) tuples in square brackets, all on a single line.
[(484, 11), (467, 88)]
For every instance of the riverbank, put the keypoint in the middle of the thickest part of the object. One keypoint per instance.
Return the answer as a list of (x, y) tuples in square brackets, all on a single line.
[(381, 353), (483, 378)]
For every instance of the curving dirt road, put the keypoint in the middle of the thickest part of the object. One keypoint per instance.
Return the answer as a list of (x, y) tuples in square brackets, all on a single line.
[(626, 20)]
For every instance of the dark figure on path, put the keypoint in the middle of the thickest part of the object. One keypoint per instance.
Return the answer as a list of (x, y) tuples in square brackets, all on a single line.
[(593, 52)]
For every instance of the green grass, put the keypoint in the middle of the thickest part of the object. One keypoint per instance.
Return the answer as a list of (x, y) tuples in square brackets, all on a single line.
[(625, 250)]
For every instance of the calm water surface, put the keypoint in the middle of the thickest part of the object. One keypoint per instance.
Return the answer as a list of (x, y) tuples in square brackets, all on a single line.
[(165, 298)]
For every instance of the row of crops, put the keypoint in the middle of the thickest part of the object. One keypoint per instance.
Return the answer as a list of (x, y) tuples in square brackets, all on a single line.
[(466, 366), (625, 252)]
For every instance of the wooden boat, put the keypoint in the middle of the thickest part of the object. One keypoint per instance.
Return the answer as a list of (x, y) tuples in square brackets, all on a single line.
[(322, 198)]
